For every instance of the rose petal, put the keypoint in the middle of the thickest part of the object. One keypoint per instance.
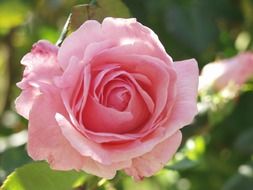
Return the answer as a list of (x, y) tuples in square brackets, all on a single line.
[(74, 96), (128, 31), (104, 171), (25, 101), (151, 162), (56, 150), (41, 68), (76, 43), (110, 120), (185, 107), (84, 146)]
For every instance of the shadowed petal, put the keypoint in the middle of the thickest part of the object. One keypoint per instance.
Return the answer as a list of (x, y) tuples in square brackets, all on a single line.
[(151, 162)]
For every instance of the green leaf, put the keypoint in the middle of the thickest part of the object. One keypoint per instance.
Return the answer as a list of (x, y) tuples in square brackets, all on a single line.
[(39, 176), (98, 10)]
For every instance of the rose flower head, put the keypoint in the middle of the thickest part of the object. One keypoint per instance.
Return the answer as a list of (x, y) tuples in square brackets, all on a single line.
[(110, 98)]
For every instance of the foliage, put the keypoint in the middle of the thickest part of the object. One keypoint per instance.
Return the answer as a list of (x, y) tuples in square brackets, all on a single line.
[(39, 175)]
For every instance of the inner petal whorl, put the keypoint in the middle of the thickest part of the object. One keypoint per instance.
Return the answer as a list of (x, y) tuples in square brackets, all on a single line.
[(118, 98)]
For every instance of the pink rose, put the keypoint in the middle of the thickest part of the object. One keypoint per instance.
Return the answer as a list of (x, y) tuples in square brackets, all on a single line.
[(110, 98), (236, 70)]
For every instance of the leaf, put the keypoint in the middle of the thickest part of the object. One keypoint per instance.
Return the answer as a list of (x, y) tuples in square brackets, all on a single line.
[(97, 10), (39, 176)]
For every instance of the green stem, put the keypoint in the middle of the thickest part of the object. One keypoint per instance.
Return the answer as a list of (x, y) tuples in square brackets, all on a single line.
[(64, 32)]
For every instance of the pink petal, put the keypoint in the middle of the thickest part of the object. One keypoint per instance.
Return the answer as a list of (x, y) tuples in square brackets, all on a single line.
[(110, 120), (74, 87), (41, 68), (129, 31), (103, 171), (83, 145), (76, 43), (151, 162), (45, 141), (185, 107), (25, 101)]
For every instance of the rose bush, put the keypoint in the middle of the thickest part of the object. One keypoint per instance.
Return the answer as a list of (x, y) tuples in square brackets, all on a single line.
[(236, 71), (109, 98)]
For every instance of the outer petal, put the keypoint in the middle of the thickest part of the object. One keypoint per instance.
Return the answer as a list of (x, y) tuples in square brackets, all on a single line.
[(76, 43), (83, 145), (25, 101), (41, 68), (185, 107), (45, 141), (105, 171), (151, 162), (129, 31)]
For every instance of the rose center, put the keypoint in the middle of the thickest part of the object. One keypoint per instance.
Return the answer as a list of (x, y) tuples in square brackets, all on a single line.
[(118, 98)]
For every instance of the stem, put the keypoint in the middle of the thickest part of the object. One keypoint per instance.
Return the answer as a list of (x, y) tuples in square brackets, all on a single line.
[(65, 31)]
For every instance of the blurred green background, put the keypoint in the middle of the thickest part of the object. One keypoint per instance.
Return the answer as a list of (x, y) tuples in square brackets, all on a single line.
[(212, 158)]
